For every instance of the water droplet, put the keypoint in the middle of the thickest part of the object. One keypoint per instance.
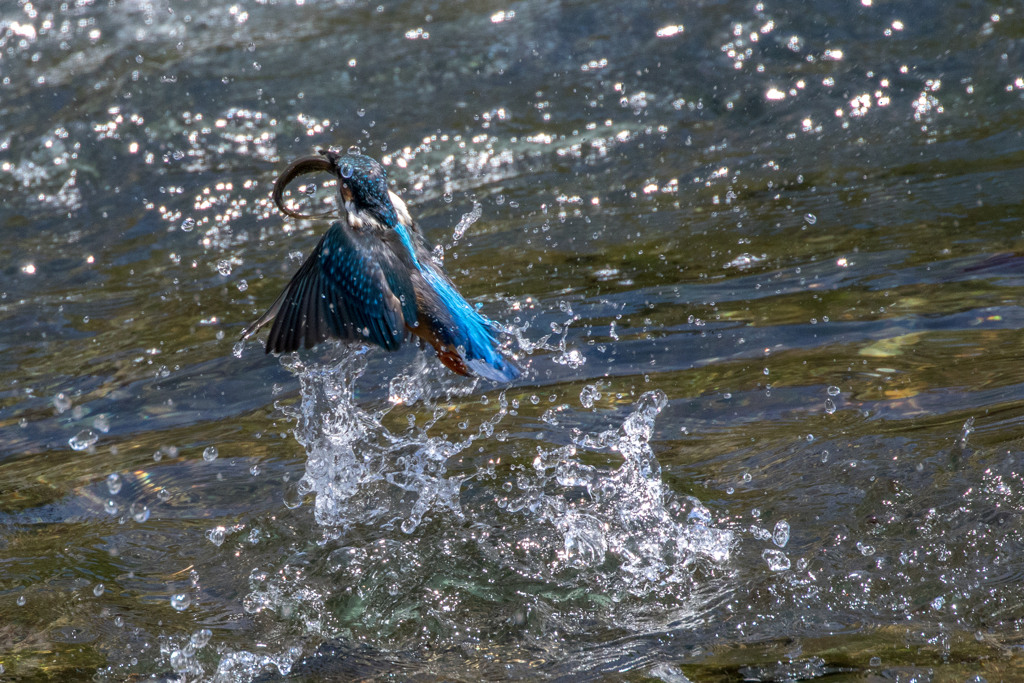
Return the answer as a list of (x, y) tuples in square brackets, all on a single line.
[(83, 440), (499, 200), (62, 402), (810, 437), (346, 170), (200, 638), (237, 349), (139, 512), (360, 113), (242, 285), (210, 453), (780, 536), (865, 550), (164, 495), (811, 219), (119, 622), (875, 661), (766, 371), (23, 422), (181, 601), (830, 406), (588, 395), (746, 477), (776, 559), (114, 484), (254, 470), (292, 497), (21, 601), (217, 535), (224, 267), (188, 224), (98, 590), (111, 508), (535, 399), (447, 197), (834, 391), (179, 661), (101, 423), (309, 189)]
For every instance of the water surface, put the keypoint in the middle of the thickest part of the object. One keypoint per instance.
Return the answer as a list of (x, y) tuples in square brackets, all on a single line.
[(761, 262)]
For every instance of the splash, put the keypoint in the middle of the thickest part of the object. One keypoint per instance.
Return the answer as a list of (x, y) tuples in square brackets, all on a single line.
[(622, 519)]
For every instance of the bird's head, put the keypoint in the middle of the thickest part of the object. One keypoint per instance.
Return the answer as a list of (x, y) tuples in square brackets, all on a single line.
[(362, 186)]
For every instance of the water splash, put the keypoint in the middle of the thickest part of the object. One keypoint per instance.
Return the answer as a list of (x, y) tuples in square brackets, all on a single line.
[(467, 220), (621, 524)]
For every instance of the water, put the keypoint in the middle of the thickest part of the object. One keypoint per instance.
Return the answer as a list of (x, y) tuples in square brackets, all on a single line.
[(713, 231)]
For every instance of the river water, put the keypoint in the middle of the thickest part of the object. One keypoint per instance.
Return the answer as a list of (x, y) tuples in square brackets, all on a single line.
[(760, 261)]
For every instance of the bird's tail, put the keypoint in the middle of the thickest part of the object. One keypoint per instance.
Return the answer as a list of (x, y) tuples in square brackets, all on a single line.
[(474, 336)]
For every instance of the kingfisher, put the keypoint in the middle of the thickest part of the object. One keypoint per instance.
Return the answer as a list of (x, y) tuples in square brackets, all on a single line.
[(373, 279)]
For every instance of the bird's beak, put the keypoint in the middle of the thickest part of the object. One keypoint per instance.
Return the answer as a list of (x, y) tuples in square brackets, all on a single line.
[(302, 166)]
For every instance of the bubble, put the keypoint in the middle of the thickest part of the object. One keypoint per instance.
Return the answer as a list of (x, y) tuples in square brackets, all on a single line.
[(21, 601), (164, 495), (810, 437), (254, 470), (833, 391), (830, 406), (101, 423), (210, 453), (188, 224), (111, 508), (535, 399), (865, 550), (181, 601), (875, 661), (447, 197), (114, 484), (776, 559), (242, 285), (62, 402), (224, 267), (98, 590), (83, 440), (811, 219), (346, 170), (119, 621), (139, 512), (765, 371)]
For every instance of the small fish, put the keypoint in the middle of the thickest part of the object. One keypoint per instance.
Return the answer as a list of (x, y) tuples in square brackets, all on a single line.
[(372, 279)]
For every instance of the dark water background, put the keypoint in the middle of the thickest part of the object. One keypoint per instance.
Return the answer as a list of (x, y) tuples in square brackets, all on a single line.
[(775, 431)]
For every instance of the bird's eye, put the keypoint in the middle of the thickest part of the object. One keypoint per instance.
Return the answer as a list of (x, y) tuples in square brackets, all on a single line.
[(346, 170)]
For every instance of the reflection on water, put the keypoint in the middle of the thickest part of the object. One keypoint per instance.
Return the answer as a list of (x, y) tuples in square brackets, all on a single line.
[(761, 263)]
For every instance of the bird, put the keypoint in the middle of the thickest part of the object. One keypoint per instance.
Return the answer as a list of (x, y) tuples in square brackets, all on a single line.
[(372, 278)]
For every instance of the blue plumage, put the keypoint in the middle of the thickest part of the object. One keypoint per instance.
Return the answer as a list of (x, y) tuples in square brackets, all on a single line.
[(371, 278)]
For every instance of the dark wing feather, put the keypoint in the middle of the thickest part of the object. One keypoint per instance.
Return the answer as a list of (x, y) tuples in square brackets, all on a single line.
[(352, 287)]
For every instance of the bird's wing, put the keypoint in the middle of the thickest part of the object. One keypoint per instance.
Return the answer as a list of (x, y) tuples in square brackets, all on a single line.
[(351, 287)]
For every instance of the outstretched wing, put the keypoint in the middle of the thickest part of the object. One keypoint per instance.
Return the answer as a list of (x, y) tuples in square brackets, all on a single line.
[(352, 287)]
